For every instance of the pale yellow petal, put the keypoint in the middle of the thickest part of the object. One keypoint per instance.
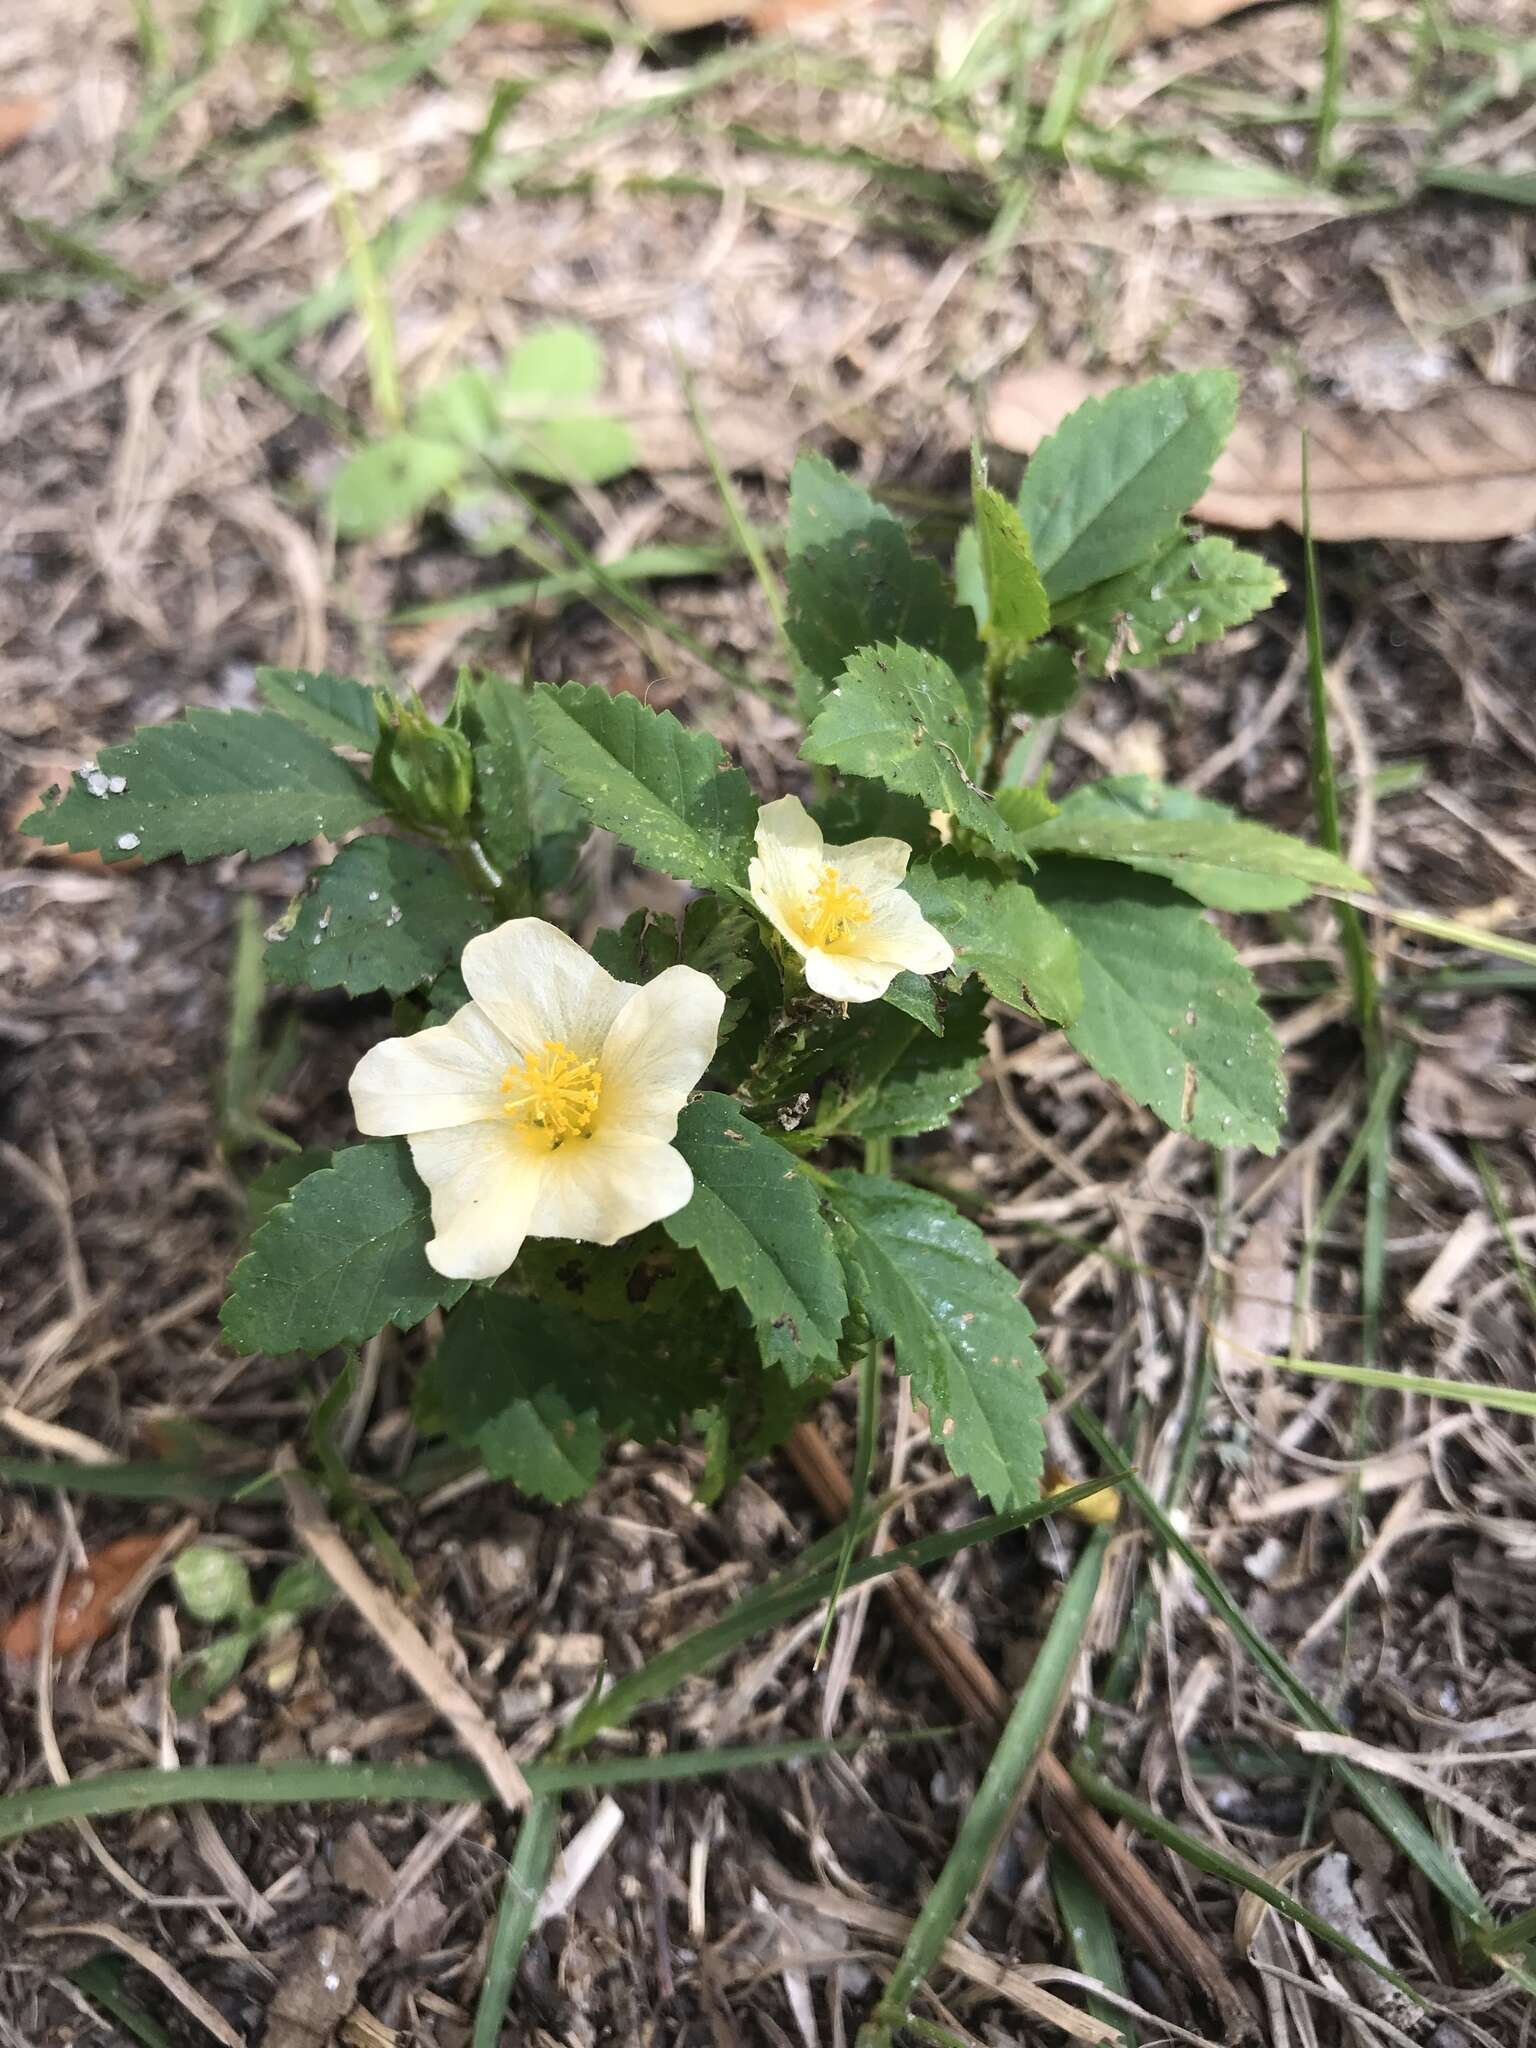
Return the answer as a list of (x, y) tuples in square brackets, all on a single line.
[(601, 1189), (873, 865), (447, 1075), (538, 986), (789, 863), (487, 1194), (848, 977), (898, 931), (659, 1046)]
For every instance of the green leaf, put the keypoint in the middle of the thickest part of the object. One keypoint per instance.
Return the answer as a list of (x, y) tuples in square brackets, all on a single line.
[(558, 364), (385, 914), (522, 817), (1162, 841), (1223, 888), (391, 482), (501, 1381), (1041, 682), (1104, 491), (645, 1275), (334, 708), (898, 1079), (341, 1258), (1189, 593), (1017, 609), (717, 937), (213, 782), (570, 451), (853, 579), (1001, 931), (211, 1583), (1170, 1014), (928, 1282), (755, 1222), (916, 996), (666, 791), (275, 1183), (899, 714), (461, 409)]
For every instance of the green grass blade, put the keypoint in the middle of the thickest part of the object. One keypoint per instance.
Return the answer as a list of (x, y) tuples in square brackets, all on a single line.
[(1472, 1393), (522, 1888), (450, 1782), (1494, 1195), (1027, 1730), (1091, 1934), (1202, 1855), (100, 1980), (148, 1480), (655, 564)]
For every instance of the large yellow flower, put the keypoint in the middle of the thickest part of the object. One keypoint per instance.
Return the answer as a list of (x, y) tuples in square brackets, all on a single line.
[(546, 1107), (842, 908)]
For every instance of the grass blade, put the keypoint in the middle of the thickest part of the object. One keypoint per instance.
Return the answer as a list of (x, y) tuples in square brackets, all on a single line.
[(1091, 1935), (1028, 1729), (522, 1888)]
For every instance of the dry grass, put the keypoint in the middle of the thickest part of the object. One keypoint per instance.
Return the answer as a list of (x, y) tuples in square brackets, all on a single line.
[(159, 535)]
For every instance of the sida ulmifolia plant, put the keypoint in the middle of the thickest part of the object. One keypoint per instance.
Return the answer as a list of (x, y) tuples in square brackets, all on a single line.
[(650, 1185)]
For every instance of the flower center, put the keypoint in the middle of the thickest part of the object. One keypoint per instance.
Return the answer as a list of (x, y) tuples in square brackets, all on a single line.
[(552, 1094), (834, 910)]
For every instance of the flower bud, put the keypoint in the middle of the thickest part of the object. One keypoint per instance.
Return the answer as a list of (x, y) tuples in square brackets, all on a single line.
[(425, 773)]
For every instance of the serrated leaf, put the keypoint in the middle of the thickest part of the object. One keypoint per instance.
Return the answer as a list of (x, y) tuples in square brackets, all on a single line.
[(1041, 682), (853, 579), (755, 1222), (1161, 843), (669, 793), (335, 709), (501, 1381), (275, 1183), (391, 482), (1190, 592), (917, 997), (1170, 1014), (1105, 490), (385, 914), (644, 1275), (898, 714), (1026, 804), (1017, 610), (1001, 931), (1138, 796), (520, 814), (902, 1079), (715, 937), (343, 1256), (858, 809), (213, 782), (929, 1283)]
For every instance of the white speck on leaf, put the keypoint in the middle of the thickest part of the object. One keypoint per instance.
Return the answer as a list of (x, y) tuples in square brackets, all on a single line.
[(127, 841), (394, 914), (96, 782), (116, 784)]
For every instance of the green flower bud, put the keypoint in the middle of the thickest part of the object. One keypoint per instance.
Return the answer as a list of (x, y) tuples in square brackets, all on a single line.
[(211, 1584), (425, 773)]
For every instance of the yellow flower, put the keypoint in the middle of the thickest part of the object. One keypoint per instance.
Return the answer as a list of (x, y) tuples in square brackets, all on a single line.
[(546, 1107), (842, 908)]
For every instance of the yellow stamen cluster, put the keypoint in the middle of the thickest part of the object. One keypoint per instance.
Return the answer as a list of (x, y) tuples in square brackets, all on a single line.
[(552, 1094), (835, 908)]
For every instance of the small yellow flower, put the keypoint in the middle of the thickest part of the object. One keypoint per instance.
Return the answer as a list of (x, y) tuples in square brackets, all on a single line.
[(842, 908), (546, 1107)]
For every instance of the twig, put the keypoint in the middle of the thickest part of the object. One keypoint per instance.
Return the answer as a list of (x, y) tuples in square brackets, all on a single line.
[(400, 1635), (1126, 1888)]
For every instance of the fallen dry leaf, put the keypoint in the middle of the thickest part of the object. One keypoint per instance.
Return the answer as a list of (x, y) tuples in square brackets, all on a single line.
[(1160, 19), (1440, 1098), (1255, 1321), (1462, 466), (317, 1990), (18, 118), (87, 1604)]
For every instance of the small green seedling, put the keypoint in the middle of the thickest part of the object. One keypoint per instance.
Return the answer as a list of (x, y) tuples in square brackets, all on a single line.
[(213, 1586)]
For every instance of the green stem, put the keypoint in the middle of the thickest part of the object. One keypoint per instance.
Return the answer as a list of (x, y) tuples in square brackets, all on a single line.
[(503, 892), (1028, 1730)]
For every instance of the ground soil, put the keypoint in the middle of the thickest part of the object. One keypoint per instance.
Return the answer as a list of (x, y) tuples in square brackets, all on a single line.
[(160, 534)]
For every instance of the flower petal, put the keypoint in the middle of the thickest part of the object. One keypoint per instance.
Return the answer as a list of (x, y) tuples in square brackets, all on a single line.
[(600, 1189), (485, 1189), (849, 977), (897, 930), (536, 985), (790, 857), (657, 1050), (873, 865), (447, 1075)]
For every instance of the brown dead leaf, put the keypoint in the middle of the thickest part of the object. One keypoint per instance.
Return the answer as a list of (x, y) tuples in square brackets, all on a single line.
[(1160, 19), (1461, 466), (1255, 1322), (317, 1990), (1442, 1099), (87, 1604), (18, 118)]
